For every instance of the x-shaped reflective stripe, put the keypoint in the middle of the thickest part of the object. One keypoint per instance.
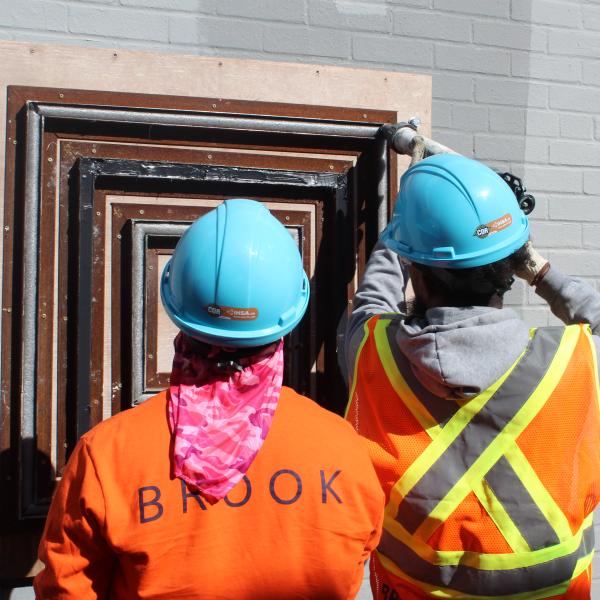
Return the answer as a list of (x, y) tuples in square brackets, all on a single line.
[(476, 434)]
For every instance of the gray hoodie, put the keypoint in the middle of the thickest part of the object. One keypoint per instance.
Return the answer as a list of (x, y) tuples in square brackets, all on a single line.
[(458, 352)]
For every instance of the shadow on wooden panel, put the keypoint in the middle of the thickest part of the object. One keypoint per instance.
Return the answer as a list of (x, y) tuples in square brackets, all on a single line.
[(52, 392)]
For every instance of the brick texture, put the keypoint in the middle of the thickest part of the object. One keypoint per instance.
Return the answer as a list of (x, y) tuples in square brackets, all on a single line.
[(541, 122), (388, 50), (490, 8), (560, 14), (572, 98), (350, 15), (591, 17), (34, 14), (515, 84), (118, 22), (584, 43), (545, 68), (431, 25), (591, 182), (270, 10), (506, 119), (307, 41), (201, 6), (578, 126), (513, 35), (511, 92), (472, 58), (452, 86)]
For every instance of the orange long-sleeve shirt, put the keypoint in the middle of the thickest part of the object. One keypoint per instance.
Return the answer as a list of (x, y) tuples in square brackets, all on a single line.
[(299, 525)]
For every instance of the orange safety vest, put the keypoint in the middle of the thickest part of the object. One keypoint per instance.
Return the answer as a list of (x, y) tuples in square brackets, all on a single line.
[(490, 497)]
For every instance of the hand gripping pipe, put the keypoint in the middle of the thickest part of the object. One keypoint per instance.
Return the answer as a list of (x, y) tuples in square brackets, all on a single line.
[(404, 139)]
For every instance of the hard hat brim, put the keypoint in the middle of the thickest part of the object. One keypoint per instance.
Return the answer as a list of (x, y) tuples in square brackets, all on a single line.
[(462, 261), (238, 339)]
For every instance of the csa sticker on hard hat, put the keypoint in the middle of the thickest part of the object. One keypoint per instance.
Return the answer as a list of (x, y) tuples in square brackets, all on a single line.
[(494, 226), (232, 313)]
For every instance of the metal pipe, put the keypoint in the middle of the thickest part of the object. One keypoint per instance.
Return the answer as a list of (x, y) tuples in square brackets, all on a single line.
[(404, 139)]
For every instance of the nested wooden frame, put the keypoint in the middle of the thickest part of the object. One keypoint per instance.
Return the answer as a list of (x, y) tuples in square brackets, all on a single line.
[(154, 240), (333, 188), (137, 224), (39, 120), (74, 150)]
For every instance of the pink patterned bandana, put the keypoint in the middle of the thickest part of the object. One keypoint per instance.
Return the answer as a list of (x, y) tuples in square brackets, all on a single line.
[(219, 417)]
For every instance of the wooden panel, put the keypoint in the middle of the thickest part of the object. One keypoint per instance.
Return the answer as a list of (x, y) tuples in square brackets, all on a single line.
[(304, 188), (35, 432), (146, 234), (67, 67), (99, 187), (159, 331)]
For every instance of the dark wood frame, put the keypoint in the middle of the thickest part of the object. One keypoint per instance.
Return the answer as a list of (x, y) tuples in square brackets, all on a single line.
[(117, 175), (73, 151), (43, 125), (155, 242)]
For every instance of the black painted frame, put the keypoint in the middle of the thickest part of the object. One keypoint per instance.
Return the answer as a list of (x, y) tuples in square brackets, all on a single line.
[(37, 118), (123, 175)]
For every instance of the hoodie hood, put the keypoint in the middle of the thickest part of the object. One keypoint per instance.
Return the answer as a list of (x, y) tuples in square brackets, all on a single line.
[(458, 352)]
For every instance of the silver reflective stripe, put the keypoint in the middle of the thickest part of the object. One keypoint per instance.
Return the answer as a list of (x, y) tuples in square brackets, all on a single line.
[(520, 506), (481, 431), (479, 582), (441, 410)]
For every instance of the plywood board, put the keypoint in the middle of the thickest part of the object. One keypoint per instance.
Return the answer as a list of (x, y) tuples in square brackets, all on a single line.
[(51, 65)]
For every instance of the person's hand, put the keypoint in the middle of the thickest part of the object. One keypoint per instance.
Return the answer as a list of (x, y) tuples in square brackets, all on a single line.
[(534, 268)]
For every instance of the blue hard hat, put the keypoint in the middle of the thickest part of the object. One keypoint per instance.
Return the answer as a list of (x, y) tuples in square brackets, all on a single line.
[(454, 212), (236, 278)]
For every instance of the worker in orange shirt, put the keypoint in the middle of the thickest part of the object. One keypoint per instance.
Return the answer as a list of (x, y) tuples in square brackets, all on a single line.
[(485, 434), (227, 485)]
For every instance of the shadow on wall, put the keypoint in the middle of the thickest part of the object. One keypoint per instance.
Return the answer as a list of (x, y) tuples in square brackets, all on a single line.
[(19, 539), (483, 93), (486, 106)]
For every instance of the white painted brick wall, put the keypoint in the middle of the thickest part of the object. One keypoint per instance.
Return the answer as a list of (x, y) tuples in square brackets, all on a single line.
[(516, 83)]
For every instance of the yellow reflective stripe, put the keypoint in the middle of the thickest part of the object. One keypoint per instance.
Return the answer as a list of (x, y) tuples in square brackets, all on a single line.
[(484, 562), (495, 509), (483, 492), (526, 473), (437, 592), (501, 518), (446, 436), (354, 376), (505, 438), (582, 564), (405, 393), (440, 444)]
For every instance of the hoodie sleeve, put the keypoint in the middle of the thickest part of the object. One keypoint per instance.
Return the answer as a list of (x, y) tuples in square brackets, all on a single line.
[(78, 562), (381, 290), (572, 300)]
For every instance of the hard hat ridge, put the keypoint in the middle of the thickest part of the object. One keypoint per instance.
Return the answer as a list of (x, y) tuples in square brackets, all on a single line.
[(454, 212), (236, 278)]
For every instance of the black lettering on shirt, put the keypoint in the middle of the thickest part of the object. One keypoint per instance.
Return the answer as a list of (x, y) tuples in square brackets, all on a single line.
[(326, 487), (185, 494), (274, 494), (157, 512), (244, 499)]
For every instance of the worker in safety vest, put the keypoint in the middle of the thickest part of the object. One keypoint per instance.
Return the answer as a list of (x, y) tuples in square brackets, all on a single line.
[(227, 485), (485, 434)]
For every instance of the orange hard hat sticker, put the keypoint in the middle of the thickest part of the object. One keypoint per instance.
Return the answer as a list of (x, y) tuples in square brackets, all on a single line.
[(232, 313), (494, 226)]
